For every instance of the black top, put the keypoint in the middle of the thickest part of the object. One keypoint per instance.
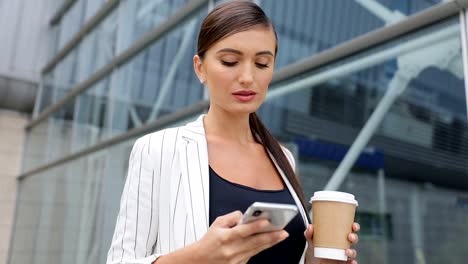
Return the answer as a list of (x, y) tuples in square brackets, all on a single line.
[(226, 197)]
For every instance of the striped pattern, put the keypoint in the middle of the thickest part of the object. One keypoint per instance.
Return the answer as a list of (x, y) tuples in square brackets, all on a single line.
[(165, 201)]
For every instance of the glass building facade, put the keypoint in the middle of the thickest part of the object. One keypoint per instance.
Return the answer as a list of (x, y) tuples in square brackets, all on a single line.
[(370, 96)]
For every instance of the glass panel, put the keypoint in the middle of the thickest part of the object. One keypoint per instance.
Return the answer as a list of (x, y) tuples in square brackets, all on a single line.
[(90, 115), (158, 81), (67, 214), (64, 214), (59, 134), (415, 165), (119, 30), (35, 145), (142, 16), (71, 22), (408, 7), (94, 52), (308, 27)]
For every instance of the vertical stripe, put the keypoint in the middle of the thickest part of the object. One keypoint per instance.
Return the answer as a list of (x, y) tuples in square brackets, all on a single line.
[(185, 233), (151, 216), (175, 147), (203, 187), (138, 199), (129, 178), (177, 198), (190, 189), (159, 240)]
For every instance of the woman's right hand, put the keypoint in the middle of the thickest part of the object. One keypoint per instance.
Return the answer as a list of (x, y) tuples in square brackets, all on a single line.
[(227, 242)]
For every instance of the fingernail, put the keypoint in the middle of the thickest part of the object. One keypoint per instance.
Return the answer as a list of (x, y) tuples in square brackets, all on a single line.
[(284, 235)]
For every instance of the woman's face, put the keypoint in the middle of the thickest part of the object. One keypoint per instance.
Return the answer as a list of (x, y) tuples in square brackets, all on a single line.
[(238, 70)]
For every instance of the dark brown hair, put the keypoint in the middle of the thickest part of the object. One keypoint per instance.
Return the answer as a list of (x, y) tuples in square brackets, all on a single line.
[(228, 19)]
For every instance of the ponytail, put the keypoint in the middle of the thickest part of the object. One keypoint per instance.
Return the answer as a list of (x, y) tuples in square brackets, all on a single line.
[(271, 144)]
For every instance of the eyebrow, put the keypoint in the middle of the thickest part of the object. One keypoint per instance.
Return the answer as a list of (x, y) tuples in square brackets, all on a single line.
[(265, 52)]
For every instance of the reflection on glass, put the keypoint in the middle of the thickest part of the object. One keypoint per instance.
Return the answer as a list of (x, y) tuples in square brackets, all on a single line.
[(34, 148), (95, 51), (67, 213), (145, 15), (158, 81), (70, 23), (415, 159), (307, 27)]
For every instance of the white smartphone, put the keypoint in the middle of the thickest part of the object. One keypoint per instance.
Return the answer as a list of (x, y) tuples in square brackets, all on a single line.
[(278, 214)]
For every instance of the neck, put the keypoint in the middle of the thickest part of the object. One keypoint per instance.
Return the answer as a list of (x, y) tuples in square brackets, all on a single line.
[(227, 126)]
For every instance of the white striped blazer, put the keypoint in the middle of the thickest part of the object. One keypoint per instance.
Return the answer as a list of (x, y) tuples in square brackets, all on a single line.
[(164, 204)]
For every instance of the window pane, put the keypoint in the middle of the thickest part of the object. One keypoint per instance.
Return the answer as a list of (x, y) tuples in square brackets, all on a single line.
[(415, 165)]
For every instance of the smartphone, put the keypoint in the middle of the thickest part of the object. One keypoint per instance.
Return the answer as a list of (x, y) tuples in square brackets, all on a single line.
[(279, 215)]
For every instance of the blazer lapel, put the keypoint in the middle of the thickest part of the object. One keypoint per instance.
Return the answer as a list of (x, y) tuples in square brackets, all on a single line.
[(193, 152), (291, 190), (195, 176)]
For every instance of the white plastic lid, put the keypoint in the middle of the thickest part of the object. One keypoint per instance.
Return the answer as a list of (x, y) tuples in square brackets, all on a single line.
[(330, 253), (334, 196)]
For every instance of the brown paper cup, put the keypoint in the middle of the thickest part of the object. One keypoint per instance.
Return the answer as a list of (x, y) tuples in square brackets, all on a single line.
[(333, 217)]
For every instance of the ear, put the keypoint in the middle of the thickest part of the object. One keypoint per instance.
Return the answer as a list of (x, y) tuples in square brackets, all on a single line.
[(198, 67)]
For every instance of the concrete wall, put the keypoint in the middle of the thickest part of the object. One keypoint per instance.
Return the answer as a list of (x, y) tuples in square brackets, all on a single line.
[(11, 147)]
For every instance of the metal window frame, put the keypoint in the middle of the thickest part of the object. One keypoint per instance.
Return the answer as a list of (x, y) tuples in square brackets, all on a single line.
[(380, 36), (156, 125), (101, 14), (373, 38), (182, 15), (57, 17)]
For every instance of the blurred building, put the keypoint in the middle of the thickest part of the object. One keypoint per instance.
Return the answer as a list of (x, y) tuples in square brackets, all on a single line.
[(383, 81), (24, 45)]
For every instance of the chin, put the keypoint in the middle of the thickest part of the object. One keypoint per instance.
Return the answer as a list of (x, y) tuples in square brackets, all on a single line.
[(243, 109)]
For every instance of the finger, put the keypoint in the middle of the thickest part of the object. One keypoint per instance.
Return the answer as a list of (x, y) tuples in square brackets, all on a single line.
[(228, 220), (351, 253), (260, 242), (309, 232), (356, 227), (352, 262), (249, 229), (353, 238)]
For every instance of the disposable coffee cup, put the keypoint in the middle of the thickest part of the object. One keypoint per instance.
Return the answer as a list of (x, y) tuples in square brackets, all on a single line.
[(333, 217)]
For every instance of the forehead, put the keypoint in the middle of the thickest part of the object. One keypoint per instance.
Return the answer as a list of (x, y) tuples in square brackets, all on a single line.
[(248, 42)]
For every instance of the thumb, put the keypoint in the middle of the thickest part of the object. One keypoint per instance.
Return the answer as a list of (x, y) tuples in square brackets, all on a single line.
[(228, 220)]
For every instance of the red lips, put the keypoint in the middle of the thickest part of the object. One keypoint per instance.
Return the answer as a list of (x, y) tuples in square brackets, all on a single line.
[(244, 95)]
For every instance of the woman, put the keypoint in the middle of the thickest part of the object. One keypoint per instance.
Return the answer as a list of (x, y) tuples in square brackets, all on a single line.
[(187, 186)]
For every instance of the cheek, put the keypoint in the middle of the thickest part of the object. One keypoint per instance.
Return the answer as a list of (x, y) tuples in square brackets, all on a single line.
[(265, 80), (221, 76)]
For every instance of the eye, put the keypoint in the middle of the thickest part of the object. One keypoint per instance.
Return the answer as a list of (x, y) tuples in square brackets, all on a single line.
[(228, 63), (261, 65)]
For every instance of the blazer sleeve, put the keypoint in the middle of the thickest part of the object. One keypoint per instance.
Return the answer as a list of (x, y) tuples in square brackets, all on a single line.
[(137, 222)]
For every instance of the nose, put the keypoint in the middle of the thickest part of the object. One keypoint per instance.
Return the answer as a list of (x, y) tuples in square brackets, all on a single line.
[(246, 75)]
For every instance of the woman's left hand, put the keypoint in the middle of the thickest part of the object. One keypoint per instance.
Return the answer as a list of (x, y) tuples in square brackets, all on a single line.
[(351, 253)]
